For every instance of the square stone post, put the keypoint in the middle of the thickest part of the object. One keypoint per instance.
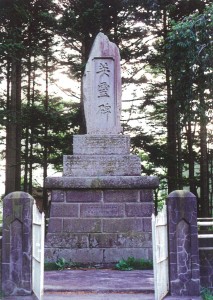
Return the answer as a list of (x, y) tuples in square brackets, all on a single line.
[(17, 244), (184, 269)]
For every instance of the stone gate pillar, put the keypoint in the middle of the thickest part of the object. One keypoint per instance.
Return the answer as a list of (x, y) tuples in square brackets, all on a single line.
[(17, 244), (184, 270)]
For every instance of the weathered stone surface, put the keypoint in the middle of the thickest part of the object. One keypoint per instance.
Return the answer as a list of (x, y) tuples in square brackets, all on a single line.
[(67, 240), (102, 182), (101, 144), (64, 210), (100, 240), (135, 240), (101, 165), (183, 244), (102, 210), (122, 225), (146, 196), (121, 195), (116, 254), (57, 196), (139, 209), (102, 88), (79, 196), (96, 255), (55, 225), (147, 225), (82, 225), (17, 244), (93, 256)]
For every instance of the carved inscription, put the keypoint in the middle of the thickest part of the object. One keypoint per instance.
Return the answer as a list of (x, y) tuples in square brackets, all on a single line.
[(104, 90), (103, 86), (106, 210), (99, 144)]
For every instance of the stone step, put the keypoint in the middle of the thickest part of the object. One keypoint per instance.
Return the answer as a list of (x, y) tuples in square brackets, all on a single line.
[(112, 296)]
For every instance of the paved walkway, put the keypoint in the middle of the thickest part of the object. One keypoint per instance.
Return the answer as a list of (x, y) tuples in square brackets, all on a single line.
[(91, 284)]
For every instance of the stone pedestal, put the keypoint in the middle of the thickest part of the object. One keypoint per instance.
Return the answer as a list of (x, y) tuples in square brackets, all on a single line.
[(100, 219)]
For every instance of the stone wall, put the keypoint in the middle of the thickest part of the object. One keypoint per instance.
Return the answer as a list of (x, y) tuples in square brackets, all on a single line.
[(100, 226)]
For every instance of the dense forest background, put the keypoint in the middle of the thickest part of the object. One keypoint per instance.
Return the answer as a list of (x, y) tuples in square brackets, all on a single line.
[(166, 49)]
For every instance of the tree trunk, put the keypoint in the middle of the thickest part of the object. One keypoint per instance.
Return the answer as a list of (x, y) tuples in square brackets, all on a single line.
[(191, 159), (204, 178), (45, 152), (32, 137), (179, 159), (171, 126), (26, 156), (13, 131)]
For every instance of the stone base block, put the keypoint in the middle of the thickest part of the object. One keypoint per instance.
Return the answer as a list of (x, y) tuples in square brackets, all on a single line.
[(101, 144), (101, 165), (94, 221)]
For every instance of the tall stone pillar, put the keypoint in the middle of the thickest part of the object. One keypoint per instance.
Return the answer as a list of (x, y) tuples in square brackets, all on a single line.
[(101, 207), (184, 270)]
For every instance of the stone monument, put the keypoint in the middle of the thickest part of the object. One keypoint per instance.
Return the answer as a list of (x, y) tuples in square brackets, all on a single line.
[(102, 88), (101, 207)]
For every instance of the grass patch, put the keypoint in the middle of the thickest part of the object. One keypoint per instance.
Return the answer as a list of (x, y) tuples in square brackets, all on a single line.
[(50, 266), (206, 294), (132, 263), (63, 264), (124, 265)]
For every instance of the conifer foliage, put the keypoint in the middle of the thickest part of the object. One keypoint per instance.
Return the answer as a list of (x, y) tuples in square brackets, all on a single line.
[(166, 52)]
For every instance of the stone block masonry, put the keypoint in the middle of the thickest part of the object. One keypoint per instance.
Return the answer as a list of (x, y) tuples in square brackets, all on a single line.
[(100, 225)]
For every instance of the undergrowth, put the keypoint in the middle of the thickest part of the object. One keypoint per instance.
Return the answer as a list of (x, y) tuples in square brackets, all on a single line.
[(207, 294), (61, 264), (129, 264), (132, 263)]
